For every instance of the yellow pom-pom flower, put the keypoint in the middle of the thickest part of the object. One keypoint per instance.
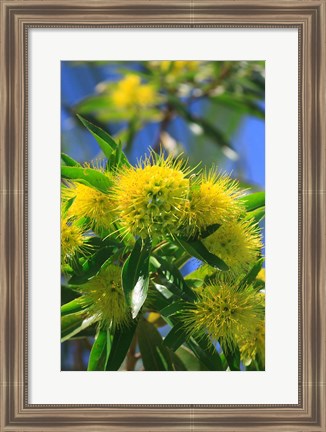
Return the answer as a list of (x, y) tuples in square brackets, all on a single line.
[(90, 203), (224, 313), (107, 301), (177, 67), (237, 243), (252, 345), (213, 200), (151, 197), (72, 240), (131, 93)]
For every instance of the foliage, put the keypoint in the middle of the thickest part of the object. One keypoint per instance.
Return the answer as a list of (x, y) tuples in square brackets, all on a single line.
[(128, 231)]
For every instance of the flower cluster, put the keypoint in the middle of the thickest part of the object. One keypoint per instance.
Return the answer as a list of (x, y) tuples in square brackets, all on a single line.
[(228, 314), (163, 199), (106, 298), (130, 93)]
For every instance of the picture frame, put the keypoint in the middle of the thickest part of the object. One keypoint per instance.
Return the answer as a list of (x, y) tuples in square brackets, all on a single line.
[(17, 17)]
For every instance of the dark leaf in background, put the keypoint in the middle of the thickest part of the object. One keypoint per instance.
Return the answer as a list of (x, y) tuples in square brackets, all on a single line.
[(122, 338)]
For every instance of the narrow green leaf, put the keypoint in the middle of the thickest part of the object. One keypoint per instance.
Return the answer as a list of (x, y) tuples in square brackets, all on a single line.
[(75, 305), (199, 251), (174, 280), (253, 201), (190, 361), (209, 230), (176, 336), (155, 355), (233, 359), (99, 352), (69, 161), (122, 339), (93, 177), (258, 285), (256, 215), (104, 140), (92, 266), (68, 294), (87, 332), (251, 276), (206, 353), (135, 275), (173, 308), (74, 323)]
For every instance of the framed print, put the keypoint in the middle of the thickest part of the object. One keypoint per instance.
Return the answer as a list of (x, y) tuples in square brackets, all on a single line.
[(136, 142)]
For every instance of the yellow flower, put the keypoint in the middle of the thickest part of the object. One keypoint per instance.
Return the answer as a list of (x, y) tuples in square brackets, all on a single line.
[(145, 95), (72, 240), (252, 344), (237, 242), (224, 313), (213, 200), (182, 65), (179, 66), (90, 203), (151, 197), (130, 93), (107, 298)]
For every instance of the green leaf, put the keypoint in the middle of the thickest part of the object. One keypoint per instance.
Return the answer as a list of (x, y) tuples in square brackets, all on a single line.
[(99, 352), (206, 353), (233, 359), (251, 276), (190, 361), (135, 275), (173, 308), (256, 215), (93, 177), (253, 201), (74, 323), (176, 336), (174, 280), (199, 251), (209, 230), (104, 140), (76, 305), (92, 266), (68, 294), (116, 159), (155, 356), (121, 341), (69, 161)]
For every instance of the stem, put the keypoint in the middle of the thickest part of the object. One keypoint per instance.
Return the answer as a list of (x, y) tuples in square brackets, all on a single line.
[(160, 245)]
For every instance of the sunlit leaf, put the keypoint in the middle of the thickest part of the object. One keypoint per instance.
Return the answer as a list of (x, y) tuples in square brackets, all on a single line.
[(253, 201), (135, 275), (74, 323), (93, 177), (76, 305), (68, 160), (105, 141)]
